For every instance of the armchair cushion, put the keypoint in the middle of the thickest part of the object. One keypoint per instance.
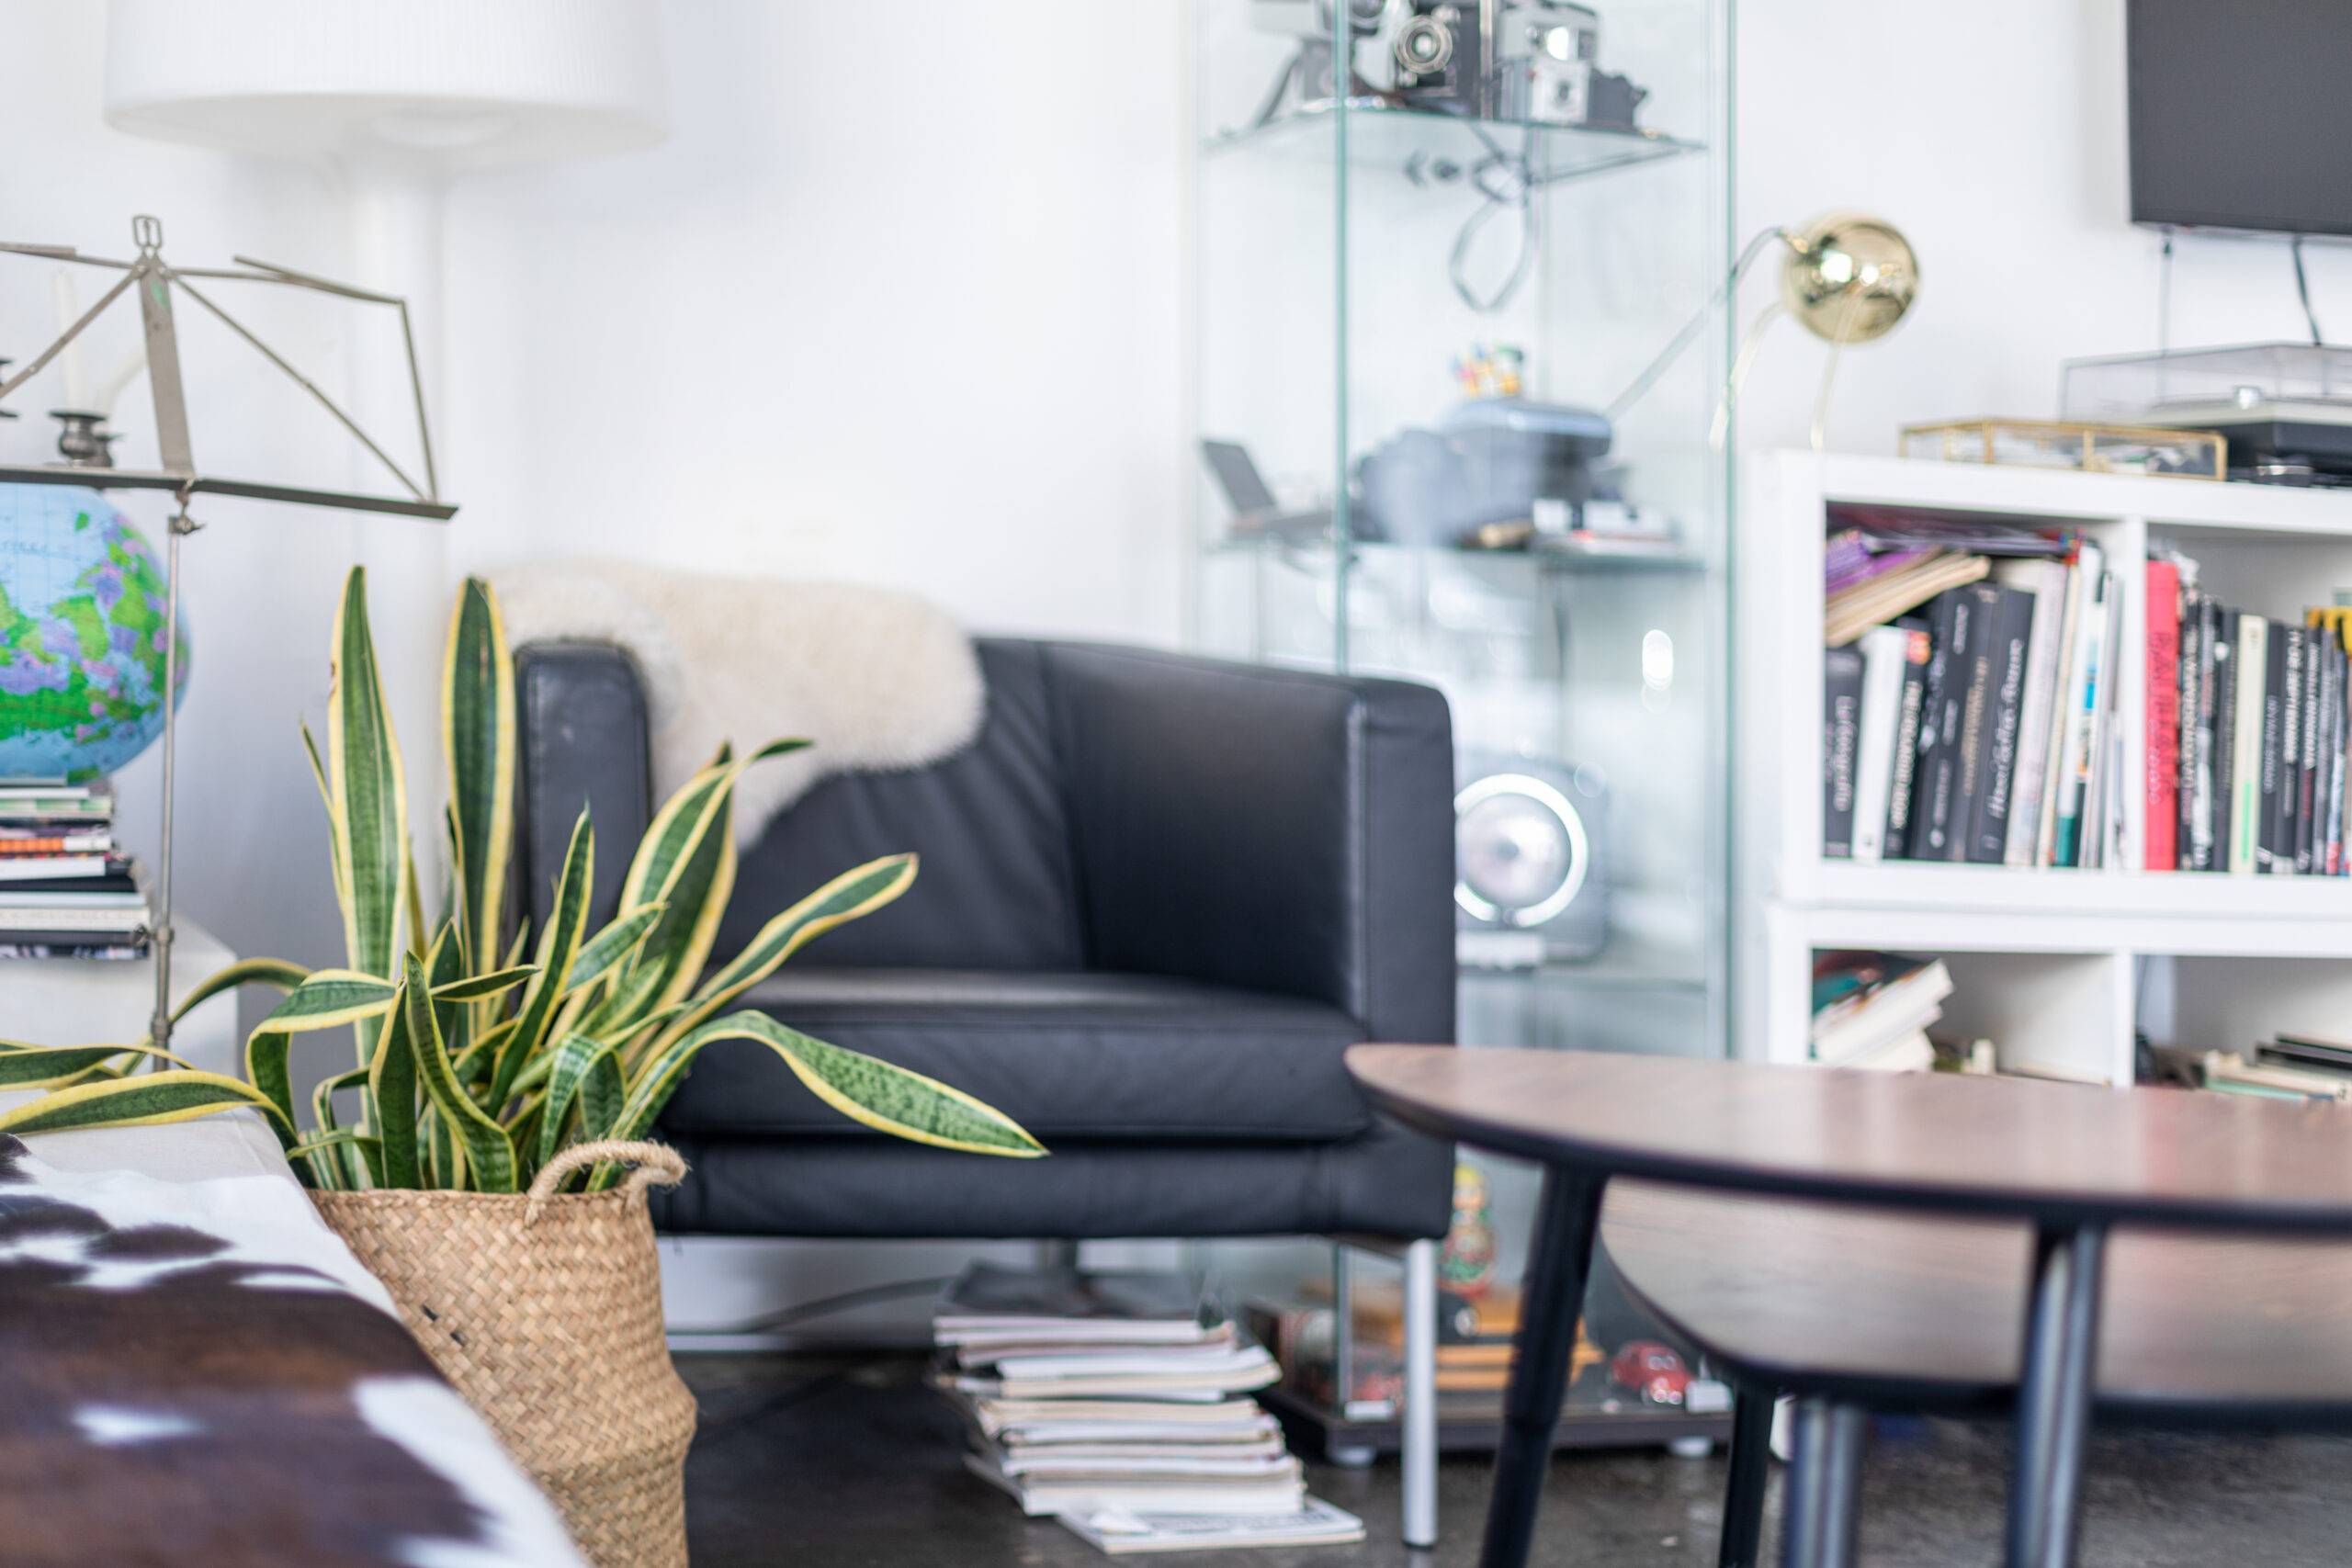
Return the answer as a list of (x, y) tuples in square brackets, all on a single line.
[(1068, 1056)]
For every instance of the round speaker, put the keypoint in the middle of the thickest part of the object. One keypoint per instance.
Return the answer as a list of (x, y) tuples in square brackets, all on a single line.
[(1521, 852)]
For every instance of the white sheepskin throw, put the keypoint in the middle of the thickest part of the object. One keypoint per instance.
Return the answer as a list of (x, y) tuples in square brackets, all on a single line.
[(877, 680)]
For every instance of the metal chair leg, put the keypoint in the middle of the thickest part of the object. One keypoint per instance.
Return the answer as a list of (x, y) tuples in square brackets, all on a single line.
[(1751, 1466), (1420, 1394), (1825, 1487)]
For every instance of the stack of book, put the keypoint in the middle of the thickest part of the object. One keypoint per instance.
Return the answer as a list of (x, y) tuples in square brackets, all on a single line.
[(2248, 723), (1972, 722), (1874, 1009), (1117, 1402), (64, 890), (2291, 1066)]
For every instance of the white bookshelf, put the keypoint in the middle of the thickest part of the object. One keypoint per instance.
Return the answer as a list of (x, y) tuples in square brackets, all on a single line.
[(2046, 962)]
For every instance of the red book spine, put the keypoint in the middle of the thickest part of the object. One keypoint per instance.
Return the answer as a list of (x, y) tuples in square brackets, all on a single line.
[(2162, 742)]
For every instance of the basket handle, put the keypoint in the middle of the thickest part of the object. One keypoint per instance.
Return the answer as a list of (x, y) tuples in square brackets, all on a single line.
[(658, 1164)]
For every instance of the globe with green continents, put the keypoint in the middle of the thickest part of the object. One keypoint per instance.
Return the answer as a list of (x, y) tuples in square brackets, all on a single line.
[(81, 636)]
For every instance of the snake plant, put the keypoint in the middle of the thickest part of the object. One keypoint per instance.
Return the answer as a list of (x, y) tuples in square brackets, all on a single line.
[(481, 1053)]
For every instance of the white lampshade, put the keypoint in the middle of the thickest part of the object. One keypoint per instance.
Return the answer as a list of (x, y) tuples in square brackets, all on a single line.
[(455, 83)]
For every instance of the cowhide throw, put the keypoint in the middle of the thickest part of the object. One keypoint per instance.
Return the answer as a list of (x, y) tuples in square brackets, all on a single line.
[(198, 1373)]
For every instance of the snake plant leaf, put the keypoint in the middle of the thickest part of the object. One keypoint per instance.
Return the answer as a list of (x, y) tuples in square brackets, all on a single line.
[(473, 1064), (868, 1091), (489, 1152), (339, 1167), (849, 897), (267, 1050), (573, 1060), (318, 1155), (473, 987), (369, 793), (330, 996), (391, 1075), (478, 720), (176, 1096), (559, 944), (246, 972), (48, 1066), (686, 861), (613, 945)]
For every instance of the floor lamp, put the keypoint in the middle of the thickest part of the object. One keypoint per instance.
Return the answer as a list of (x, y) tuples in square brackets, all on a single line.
[(154, 283)]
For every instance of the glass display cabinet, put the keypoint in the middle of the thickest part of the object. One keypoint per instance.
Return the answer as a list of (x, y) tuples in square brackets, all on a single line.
[(1459, 352)]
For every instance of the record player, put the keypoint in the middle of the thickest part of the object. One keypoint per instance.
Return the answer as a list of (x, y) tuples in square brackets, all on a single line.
[(2285, 407)]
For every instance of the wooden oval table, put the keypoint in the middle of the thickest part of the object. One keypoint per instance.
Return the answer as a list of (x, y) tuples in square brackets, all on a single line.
[(2068, 1162)]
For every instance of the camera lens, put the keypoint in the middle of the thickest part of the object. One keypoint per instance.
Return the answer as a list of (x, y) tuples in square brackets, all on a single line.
[(1424, 45)]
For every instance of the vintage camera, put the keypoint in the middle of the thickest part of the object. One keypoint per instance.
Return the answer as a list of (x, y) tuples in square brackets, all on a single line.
[(1534, 61)]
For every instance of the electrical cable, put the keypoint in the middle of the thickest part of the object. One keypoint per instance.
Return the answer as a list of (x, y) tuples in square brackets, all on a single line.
[(2303, 290), (1517, 189), (1690, 329)]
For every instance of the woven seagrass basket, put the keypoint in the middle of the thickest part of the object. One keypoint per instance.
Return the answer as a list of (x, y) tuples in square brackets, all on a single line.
[(545, 1311)]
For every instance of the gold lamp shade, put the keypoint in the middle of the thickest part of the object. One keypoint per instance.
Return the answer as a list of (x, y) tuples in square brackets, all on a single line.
[(1848, 277)]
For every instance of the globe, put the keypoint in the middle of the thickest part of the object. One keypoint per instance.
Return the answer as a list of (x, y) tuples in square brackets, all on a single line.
[(81, 636)]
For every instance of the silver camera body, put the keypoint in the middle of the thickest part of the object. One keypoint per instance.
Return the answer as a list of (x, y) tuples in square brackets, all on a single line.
[(1530, 61)]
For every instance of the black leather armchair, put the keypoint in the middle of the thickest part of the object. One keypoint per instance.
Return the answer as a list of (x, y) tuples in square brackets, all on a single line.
[(1160, 896)]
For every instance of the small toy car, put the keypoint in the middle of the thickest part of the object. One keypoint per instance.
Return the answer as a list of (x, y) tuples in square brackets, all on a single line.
[(1650, 1370)]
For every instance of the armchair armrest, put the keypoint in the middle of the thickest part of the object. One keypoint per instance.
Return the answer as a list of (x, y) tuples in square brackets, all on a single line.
[(580, 710), (1259, 827)]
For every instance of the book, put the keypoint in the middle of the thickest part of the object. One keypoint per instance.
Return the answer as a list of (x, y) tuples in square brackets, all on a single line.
[(989, 1301), (1867, 1006), (2161, 739), (2077, 791), (2055, 782), (2273, 709), (1969, 759), (1283, 1492), (2229, 627), (2307, 841), (1120, 1531), (1885, 652), (45, 867), (1903, 767), (2252, 660), (1933, 792), (2204, 660), (2047, 582), (1840, 732), (1850, 613), (2011, 623)]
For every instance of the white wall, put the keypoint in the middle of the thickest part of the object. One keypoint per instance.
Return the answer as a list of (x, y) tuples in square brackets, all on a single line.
[(896, 302)]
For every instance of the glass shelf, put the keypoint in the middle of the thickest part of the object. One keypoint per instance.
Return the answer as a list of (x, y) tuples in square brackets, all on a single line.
[(1319, 558), (1435, 147)]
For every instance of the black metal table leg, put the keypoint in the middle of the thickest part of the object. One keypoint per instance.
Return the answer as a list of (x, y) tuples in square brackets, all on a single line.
[(1751, 1464), (1825, 1487), (2054, 1395), (1551, 1301)]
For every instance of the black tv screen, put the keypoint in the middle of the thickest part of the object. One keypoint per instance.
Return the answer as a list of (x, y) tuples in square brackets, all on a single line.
[(2241, 114)]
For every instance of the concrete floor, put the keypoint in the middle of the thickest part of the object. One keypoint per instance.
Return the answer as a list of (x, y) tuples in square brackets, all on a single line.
[(850, 1462)]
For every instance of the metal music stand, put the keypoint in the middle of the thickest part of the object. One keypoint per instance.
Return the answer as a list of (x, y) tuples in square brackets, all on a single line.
[(153, 279)]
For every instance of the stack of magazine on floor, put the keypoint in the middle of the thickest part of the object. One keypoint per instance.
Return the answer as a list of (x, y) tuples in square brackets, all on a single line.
[(1120, 1403), (65, 889)]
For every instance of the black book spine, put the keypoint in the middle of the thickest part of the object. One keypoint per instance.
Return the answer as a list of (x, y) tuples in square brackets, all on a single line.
[(2308, 843), (2011, 620), (2337, 763), (1975, 711), (1906, 771), (2329, 745), (1840, 731), (2225, 731), (1931, 798), (2269, 796), (2184, 825)]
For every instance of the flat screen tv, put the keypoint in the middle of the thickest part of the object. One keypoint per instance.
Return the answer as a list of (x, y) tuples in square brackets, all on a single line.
[(2241, 114)]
